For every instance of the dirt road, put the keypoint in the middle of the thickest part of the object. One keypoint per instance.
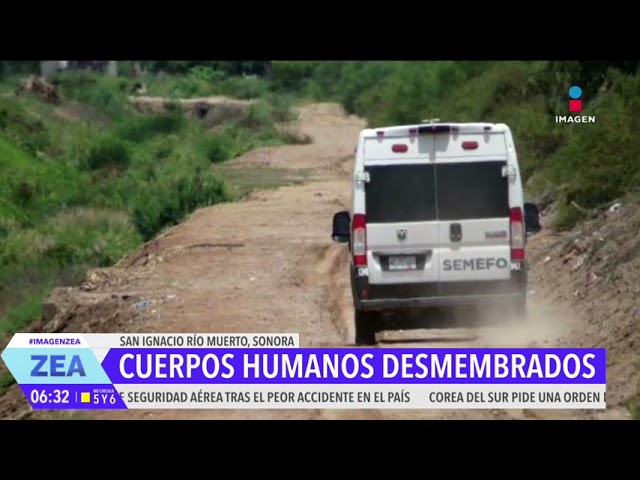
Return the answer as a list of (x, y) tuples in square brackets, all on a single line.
[(267, 264)]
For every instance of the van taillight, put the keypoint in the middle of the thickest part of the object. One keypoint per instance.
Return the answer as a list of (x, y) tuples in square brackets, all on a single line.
[(359, 236), (399, 148), (517, 234), (469, 145)]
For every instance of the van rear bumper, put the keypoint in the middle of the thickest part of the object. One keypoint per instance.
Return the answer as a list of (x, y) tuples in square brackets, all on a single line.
[(428, 302), (368, 296)]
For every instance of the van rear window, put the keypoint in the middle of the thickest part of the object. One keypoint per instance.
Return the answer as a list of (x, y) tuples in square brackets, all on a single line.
[(406, 193), (472, 190), (400, 193)]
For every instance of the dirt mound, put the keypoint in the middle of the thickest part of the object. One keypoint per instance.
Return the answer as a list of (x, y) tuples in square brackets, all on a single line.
[(38, 86), (594, 271), (212, 110), (70, 310)]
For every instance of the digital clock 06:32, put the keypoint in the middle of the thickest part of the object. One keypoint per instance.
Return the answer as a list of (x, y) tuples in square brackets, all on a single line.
[(54, 396)]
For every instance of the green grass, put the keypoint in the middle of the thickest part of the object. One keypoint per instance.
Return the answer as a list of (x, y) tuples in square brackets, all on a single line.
[(21, 315), (86, 181), (202, 81), (6, 380), (107, 95), (31, 188), (244, 180)]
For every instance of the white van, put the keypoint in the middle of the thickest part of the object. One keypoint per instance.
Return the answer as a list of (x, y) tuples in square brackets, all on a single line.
[(437, 220)]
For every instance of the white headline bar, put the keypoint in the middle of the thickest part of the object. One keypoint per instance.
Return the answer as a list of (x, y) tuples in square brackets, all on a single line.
[(363, 396)]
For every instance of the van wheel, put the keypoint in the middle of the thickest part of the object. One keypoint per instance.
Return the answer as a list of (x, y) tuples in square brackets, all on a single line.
[(366, 324)]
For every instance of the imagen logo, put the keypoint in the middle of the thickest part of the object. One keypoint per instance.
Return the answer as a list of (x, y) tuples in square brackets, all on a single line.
[(575, 106), (575, 103)]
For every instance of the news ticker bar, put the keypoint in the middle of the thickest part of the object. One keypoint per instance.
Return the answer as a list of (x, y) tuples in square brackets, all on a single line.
[(124, 397)]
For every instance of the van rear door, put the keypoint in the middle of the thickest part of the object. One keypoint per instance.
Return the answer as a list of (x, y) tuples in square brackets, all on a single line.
[(400, 204), (473, 211)]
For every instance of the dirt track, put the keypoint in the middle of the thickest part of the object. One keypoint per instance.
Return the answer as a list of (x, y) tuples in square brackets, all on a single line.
[(267, 264)]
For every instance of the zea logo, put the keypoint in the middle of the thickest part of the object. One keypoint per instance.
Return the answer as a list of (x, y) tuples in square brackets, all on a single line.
[(575, 106)]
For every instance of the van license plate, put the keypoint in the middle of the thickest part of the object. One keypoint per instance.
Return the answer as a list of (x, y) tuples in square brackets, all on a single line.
[(402, 263)]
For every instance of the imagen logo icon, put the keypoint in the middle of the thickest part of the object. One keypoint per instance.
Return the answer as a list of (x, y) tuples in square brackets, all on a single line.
[(575, 108), (575, 102)]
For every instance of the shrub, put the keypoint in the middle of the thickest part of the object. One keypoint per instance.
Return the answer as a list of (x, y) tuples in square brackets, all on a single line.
[(108, 152), (108, 95), (599, 162), (25, 129), (206, 73), (166, 203), (79, 236), (260, 115), (567, 216), (219, 148), (291, 76), (243, 87), (31, 188), (282, 107), (146, 127)]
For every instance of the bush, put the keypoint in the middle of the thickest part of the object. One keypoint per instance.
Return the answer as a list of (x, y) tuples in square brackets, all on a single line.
[(20, 67), (26, 130), (108, 95), (260, 115), (206, 73), (219, 148), (146, 127), (167, 203), (243, 87), (32, 188), (225, 67), (79, 236), (567, 216), (181, 87), (205, 81), (94, 237), (288, 76), (20, 316), (108, 152), (599, 162), (7, 226)]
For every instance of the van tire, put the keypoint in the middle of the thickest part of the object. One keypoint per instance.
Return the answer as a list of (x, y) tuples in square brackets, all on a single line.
[(366, 326)]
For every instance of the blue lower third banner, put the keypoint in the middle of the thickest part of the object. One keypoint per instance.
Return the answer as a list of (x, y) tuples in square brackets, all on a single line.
[(254, 371)]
